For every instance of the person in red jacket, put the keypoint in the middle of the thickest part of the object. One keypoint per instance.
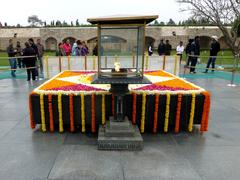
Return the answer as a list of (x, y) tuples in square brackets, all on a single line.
[(67, 47)]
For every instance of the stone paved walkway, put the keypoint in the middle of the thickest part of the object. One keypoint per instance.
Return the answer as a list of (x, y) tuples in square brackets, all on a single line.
[(33, 155)]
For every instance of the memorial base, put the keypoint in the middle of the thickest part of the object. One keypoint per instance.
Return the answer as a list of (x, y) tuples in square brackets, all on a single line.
[(119, 136)]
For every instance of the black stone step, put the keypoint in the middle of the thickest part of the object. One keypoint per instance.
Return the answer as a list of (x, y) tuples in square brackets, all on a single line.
[(133, 143)]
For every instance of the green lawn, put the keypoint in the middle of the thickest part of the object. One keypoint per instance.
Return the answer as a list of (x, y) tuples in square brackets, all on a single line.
[(4, 61), (220, 61)]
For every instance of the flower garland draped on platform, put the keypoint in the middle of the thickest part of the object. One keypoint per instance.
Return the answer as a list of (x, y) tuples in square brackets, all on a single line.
[(159, 119)]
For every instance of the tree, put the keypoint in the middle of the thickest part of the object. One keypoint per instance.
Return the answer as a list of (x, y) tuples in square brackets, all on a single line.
[(65, 24), (236, 26), (171, 22), (77, 23), (156, 23), (58, 23), (162, 23), (34, 20), (219, 13)]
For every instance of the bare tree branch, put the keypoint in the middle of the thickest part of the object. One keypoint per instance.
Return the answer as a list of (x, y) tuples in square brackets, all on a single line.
[(220, 13)]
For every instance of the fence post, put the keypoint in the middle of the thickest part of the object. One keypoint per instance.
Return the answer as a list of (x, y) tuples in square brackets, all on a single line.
[(85, 62), (105, 61), (164, 62), (147, 59), (69, 67), (235, 64), (175, 64), (60, 63), (94, 62), (47, 67), (133, 62)]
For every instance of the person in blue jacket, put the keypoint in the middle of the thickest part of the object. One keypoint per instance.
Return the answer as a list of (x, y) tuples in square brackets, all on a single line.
[(194, 53), (214, 49)]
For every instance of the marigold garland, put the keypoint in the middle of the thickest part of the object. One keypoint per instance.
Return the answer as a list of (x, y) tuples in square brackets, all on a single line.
[(93, 114), (72, 128), (51, 122), (155, 121), (205, 114), (178, 113), (103, 109), (83, 112), (42, 113), (60, 112), (173, 83), (134, 108), (143, 112), (32, 123), (190, 125), (167, 112), (113, 104)]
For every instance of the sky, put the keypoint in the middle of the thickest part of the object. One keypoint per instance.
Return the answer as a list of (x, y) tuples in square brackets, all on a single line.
[(17, 11)]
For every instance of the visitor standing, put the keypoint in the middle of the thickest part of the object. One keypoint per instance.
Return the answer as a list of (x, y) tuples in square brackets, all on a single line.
[(19, 54), (188, 51), (168, 48), (180, 50), (214, 49), (161, 48), (95, 50), (35, 48), (78, 49), (12, 60), (74, 48), (60, 51), (150, 50), (40, 48), (194, 53), (67, 47), (30, 62), (84, 49)]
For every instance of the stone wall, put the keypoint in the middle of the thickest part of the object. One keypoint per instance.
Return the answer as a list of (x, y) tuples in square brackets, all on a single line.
[(52, 36)]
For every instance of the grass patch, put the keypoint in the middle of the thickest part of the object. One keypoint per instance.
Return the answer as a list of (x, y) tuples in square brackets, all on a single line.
[(221, 60), (4, 60)]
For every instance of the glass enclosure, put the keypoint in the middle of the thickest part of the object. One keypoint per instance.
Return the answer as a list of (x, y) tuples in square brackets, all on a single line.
[(122, 47)]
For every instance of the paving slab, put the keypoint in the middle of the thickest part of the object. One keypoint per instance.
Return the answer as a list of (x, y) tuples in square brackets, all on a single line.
[(6, 126), (214, 162), (30, 154), (28, 136), (86, 162), (26, 161), (157, 162)]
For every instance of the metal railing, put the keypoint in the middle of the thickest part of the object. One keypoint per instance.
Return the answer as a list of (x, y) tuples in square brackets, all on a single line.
[(232, 67), (54, 65)]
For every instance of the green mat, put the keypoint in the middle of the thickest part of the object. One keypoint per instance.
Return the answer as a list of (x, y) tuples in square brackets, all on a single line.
[(6, 74), (21, 74), (212, 75)]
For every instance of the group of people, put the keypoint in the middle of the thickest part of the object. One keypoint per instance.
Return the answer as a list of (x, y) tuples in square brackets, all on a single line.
[(79, 48), (32, 53), (26, 57), (192, 51)]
